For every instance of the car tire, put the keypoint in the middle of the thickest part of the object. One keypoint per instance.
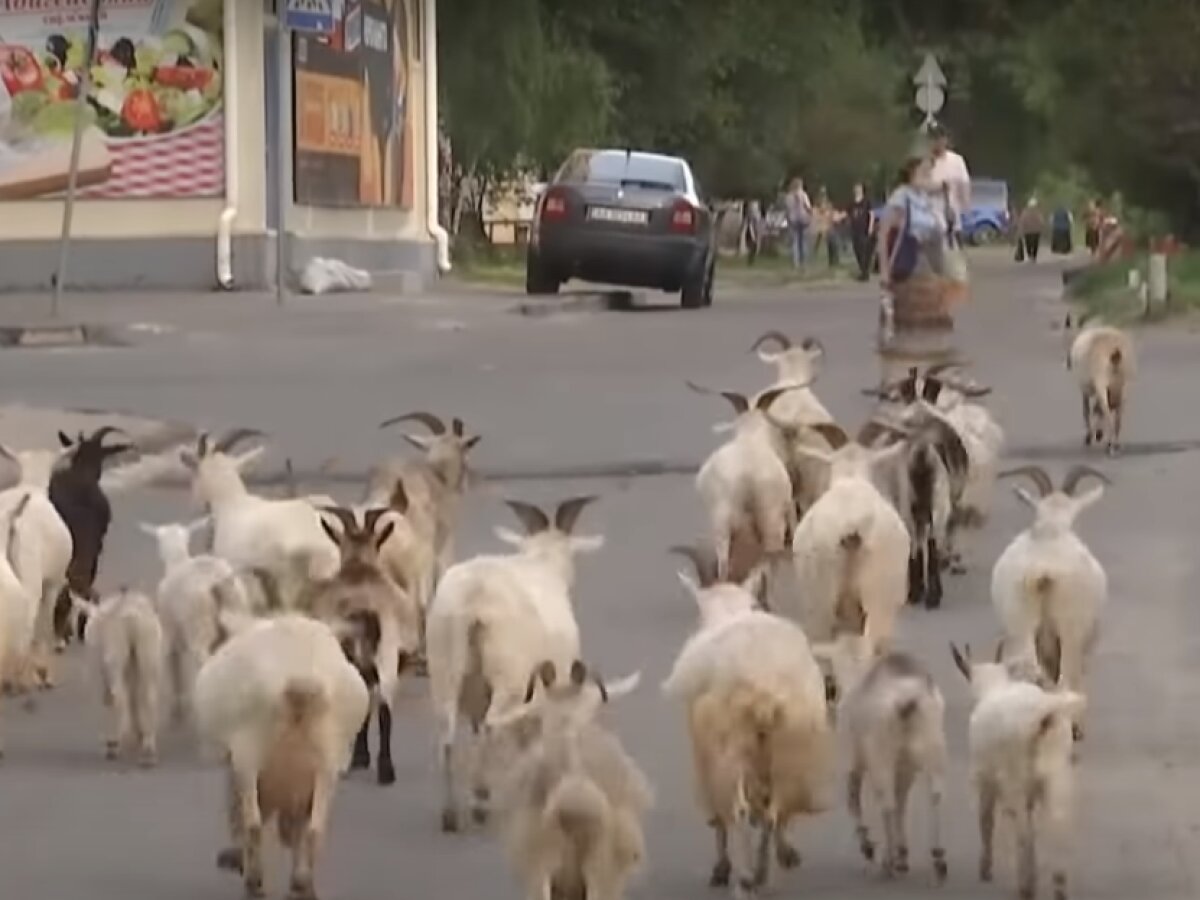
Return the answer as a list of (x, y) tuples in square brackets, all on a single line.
[(985, 235), (697, 289), (537, 279)]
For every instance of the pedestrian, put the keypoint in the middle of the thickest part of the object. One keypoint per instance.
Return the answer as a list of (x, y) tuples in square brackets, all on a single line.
[(1092, 218), (862, 222), (950, 182), (1061, 223), (752, 228), (825, 221), (799, 217), (1029, 229), (911, 233)]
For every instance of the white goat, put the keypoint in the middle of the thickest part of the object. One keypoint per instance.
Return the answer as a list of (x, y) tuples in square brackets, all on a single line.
[(45, 554), (1020, 747), (15, 599), (761, 739), (125, 639), (799, 408), (1047, 587), (280, 541), (283, 703), (746, 487), (1104, 362), (573, 802), (493, 619), (894, 716), (850, 553), (190, 597)]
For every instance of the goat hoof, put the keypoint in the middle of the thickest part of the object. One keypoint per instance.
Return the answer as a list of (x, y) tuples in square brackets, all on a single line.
[(745, 889), (148, 759), (112, 749), (449, 821), (360, 761), (985, 870), (254, 886), (386, 773), (1027, 893), (479, 814), (787, 856), (1060, 886), (1077, 732), (301, 889), (940, 869), (721, 871), (230, 860)]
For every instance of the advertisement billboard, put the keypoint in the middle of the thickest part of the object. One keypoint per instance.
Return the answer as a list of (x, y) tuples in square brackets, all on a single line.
[(353, 125), (155, 123)]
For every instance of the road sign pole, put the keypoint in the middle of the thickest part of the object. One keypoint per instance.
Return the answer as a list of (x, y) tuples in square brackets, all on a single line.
[(85, 83), (283, 186)]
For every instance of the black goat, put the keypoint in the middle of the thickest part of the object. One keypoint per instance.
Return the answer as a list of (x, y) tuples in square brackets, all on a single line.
[(76, 493)]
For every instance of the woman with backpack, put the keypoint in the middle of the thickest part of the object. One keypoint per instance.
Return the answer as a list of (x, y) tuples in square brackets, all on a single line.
[(911, 234)]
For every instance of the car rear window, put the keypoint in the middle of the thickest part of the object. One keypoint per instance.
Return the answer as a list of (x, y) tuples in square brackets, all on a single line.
[(989, 194), (615, 167)]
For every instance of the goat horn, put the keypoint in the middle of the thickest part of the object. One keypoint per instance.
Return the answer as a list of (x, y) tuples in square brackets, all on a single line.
[(232, 438), (1076, 474), (531, 517), (1044, 485), (371, 518), (967, 390), (873, 428), (429, 420), (568, 512), (456, 427), (343, 515), (784, 342), (703, 560), (599, 682), (202, 444), (105, 430), (740, 403), (832, 432), (938, 368), (812, 343)]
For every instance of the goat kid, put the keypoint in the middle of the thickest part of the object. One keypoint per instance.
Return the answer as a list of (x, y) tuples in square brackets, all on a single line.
[(1104, 363)]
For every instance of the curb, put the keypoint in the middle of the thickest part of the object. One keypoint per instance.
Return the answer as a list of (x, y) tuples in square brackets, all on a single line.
[(55, 334)]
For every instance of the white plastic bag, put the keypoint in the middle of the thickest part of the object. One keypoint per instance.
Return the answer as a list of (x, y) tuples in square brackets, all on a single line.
[(955, 263), (323, 275)]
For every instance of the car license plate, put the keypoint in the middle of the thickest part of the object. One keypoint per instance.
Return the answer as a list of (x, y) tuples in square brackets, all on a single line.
[(624, 216)]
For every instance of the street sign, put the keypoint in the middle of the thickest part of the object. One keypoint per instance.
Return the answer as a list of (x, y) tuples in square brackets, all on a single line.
[(930, 99), (312, 16), (930, 72), (931, 88)]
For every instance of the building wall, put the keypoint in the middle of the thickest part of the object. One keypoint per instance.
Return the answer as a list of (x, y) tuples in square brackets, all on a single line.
[(171, 243)]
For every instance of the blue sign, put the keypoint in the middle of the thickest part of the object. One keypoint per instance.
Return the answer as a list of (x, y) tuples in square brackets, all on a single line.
[(313, 16)]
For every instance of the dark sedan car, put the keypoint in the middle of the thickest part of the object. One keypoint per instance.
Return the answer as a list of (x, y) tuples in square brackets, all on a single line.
[(626, 218)]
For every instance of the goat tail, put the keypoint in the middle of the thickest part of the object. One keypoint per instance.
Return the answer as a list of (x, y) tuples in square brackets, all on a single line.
[(12, 540), (304, 701), (579, 809), (1038, 585)]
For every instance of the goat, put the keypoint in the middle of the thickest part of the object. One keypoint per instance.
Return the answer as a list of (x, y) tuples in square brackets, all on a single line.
[(82, 502), (801, 407), (191, 595), (1103, 359), (389, 616), (125, 638), (850, 552), (282, 702), (17, 604), (759, 726), (572, 804), (492, 620), (45, 554), (280, 541), (1047, 587), (1020, 748), (895, 720), (746, 487)]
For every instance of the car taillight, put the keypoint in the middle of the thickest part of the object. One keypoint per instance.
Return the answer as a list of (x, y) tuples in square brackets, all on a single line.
[(683, 216), (555, 205)]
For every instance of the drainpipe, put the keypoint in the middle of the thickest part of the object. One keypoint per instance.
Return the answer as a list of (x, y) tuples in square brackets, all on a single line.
[(229, 213), (440, 237)]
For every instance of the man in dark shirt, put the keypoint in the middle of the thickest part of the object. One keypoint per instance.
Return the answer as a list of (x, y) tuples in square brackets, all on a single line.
[(862, 223)]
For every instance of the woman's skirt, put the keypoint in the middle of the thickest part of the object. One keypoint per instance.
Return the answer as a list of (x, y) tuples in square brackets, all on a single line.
[(1060, 242)]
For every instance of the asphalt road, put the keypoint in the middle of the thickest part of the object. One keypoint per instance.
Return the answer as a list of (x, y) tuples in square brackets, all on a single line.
[(561, 395)]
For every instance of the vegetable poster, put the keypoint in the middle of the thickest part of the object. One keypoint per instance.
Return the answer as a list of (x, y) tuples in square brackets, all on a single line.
[(353, 111), (154, 122)]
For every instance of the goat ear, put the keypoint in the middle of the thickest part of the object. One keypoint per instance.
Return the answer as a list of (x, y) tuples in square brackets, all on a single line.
[(198, 524), (385, 533), (7, 453), (190, 460), (723, 427), (1025, 496), (961, 661), (509, 536), (1083, 501), (690, 583), (64, 440), (623, 686), (588, 543), (470, 442), (419, 441), (242, 460), (149, 529)]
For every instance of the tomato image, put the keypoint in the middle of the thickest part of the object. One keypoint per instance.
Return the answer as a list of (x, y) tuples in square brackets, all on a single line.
[(183, 77), (19, 70), (140, 111)]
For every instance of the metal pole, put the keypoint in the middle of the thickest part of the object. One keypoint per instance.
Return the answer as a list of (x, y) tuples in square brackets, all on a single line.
[(283, 122), (85, 83)]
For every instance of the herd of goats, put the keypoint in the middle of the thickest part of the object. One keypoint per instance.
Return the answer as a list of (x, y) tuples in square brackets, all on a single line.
[(291, 631)]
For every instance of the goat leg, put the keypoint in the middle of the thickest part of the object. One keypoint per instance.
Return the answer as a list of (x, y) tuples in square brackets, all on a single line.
[(361, 757), (386, 773), (854, 786), (933, 576), (988, 795), (723, 867)]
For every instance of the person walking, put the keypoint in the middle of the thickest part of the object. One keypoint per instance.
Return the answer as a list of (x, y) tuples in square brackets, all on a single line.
[(1092, 218), (911, 214), (752, 228), (1030, 227), (862, 222), (950, 183), (1061, 224), (799, 217)]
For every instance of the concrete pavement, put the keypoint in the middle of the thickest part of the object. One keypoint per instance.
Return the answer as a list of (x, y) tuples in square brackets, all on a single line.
[(582, 391)]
